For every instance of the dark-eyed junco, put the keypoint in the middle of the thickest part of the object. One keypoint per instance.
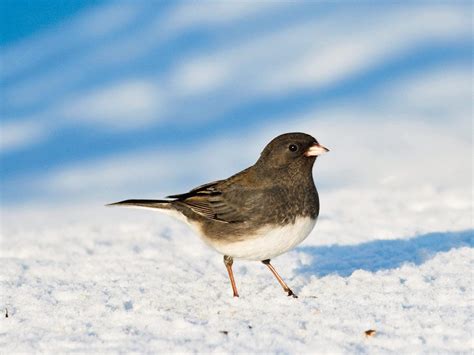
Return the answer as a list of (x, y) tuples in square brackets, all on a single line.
[(259, 213)]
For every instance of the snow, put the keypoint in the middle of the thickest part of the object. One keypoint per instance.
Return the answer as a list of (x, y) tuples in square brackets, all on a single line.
[(97, 279)]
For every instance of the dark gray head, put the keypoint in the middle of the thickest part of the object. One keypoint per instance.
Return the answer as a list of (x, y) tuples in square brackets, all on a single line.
[(291, 149)]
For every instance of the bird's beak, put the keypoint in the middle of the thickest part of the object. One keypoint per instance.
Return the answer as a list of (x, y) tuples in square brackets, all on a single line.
[(315, 150)]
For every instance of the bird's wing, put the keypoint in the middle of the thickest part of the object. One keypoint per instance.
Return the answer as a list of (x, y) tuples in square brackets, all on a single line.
[(205, 189), (220, 202)]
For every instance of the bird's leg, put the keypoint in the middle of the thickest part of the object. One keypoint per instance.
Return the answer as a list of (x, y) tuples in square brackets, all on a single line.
[(280, 280), (228, 261)]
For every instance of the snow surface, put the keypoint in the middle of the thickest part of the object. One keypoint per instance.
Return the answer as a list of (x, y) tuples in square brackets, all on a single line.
[(122, 280)]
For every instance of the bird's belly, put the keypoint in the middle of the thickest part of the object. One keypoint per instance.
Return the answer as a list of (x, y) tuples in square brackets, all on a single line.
[(267, 242)]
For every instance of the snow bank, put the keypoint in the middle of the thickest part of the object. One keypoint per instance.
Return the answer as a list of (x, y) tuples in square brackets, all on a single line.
[(101, 280)]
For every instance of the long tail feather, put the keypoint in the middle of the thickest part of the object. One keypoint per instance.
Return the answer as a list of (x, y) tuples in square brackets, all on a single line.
[(143, 203)]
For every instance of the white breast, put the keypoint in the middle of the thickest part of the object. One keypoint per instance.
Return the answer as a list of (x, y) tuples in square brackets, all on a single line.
[(268, 242)]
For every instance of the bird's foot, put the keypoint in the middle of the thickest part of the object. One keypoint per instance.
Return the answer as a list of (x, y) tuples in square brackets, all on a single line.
[(290, 293)]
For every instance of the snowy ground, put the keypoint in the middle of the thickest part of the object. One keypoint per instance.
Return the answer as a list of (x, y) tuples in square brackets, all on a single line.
[(123, 280)]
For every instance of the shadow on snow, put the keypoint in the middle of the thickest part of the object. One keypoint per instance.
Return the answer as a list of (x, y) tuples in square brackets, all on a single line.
[(377, 255)]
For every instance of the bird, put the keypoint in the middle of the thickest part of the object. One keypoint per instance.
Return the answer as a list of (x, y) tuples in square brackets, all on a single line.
[(257, 214)]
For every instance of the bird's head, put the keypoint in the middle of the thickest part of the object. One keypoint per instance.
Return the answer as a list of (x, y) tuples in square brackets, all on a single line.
[(291, 148)]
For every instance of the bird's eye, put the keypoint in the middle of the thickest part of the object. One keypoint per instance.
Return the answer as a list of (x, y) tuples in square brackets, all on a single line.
[(293, 147)]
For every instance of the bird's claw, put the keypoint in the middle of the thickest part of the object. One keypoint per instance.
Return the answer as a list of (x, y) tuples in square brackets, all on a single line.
[(290, 293)]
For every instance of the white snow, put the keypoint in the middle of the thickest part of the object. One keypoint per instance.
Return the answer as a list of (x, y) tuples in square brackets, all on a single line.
[(94, 279)]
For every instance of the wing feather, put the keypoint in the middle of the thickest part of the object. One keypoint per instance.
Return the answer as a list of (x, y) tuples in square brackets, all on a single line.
[(209, 201)]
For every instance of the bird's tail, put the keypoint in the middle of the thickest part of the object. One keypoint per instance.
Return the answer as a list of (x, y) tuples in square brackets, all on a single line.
[(160, 204)]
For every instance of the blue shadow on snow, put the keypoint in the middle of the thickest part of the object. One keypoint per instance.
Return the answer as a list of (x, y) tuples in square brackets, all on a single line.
[(377, 255)]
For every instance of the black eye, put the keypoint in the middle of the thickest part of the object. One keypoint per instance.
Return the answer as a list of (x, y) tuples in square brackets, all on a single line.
[(293, 147)]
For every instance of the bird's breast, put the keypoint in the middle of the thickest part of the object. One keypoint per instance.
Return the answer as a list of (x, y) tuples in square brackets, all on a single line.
[(266, 242)]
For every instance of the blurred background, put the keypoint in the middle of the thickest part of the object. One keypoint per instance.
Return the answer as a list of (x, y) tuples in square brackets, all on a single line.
[(102, 101)]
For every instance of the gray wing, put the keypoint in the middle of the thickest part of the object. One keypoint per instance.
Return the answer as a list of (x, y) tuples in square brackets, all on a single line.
[(226, 204)]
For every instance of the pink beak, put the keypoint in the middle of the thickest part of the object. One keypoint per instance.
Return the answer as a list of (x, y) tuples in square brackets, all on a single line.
[(315, 150)]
